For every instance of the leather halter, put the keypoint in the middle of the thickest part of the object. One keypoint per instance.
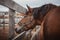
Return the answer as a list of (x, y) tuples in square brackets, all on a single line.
[(27, 23)]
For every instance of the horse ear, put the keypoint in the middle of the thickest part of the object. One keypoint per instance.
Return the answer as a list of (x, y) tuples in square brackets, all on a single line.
[(29, 8)]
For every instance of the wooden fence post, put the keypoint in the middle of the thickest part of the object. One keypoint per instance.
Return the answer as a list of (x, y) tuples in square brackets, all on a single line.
[(3, 22), (11, 23)]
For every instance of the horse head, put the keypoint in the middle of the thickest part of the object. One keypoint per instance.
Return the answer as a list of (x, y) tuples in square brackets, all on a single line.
[(27, 22)]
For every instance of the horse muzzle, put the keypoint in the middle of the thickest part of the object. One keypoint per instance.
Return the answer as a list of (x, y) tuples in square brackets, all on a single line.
[(20, 29)]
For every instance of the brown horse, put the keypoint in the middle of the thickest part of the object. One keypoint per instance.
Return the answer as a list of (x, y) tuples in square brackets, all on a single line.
[(48, 16), (33, 17)]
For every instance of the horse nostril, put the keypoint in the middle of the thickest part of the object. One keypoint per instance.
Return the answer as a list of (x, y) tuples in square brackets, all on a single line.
[(16, 29), (19, 30)]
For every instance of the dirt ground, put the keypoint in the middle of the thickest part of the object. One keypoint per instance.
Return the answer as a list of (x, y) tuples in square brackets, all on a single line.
[(4, 33)]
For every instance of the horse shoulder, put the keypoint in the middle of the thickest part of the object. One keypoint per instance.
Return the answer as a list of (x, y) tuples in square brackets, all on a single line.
[(52, 24)]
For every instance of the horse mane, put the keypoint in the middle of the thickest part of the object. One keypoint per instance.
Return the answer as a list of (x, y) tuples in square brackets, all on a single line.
[(37, 12), (45, 8)]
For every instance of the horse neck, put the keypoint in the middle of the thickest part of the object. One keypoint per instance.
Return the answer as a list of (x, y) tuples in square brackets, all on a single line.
[(40, 12), (50, 7)]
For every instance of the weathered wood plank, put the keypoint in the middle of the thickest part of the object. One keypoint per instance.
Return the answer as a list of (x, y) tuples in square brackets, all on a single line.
[(11, 23), (21, 36), (12, 5)]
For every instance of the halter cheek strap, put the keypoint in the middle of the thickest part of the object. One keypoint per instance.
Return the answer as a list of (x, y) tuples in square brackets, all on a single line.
[(25, 25), (28, 24)]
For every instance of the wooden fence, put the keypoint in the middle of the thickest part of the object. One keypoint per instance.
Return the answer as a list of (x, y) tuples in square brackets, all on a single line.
[(12, 8)]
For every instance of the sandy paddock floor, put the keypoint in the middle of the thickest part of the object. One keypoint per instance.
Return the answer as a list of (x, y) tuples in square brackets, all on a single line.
[(4, 33)]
